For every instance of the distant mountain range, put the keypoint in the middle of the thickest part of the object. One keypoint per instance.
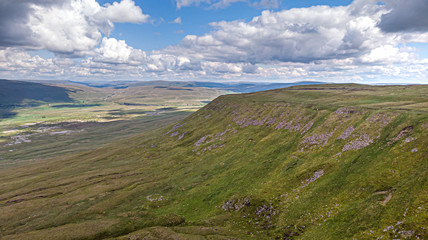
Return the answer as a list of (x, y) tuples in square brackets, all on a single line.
[(234, 87)]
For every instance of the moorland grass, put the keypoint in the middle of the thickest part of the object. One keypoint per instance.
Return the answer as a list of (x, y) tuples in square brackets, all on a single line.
[(245, 179)]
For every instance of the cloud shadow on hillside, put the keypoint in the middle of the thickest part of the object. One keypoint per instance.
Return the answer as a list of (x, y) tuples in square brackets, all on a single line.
[(19, 93)]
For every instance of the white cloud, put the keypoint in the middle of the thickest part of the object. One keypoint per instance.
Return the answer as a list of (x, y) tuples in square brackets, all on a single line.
[(137, 64), (17, 62), (386, 54), (70, 32), (185, 3), (296, 35), (177, 20), (334, 43), (114, 51), (224, 3), (125, 11), (267, 4), (68, 26)]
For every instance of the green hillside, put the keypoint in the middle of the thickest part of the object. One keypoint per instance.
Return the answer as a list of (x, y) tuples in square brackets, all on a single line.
[(19, 93), (16, 92), (306, 162)]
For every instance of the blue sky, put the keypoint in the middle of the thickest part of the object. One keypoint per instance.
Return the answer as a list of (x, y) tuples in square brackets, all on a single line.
[(362, 41), (195, 20)]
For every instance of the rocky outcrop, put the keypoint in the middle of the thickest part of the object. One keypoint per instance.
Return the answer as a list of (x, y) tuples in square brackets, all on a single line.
[(347, 133), (359, 143)]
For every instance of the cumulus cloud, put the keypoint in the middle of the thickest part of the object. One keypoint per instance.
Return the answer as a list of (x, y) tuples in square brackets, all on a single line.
[(305, 43), (407, 16), (141, 65), (125, 11), (19, 63), (296, 35), (113, 51), (14, 15), (65, 27), (387, 54)]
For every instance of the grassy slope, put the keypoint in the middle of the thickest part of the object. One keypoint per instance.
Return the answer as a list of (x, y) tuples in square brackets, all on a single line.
[(268, 165), (81, 136)]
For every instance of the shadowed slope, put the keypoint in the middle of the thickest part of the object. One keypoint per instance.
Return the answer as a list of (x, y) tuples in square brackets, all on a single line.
[(17, 93)]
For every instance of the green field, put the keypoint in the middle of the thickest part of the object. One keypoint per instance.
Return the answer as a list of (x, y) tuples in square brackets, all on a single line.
[(308, 162), (46, 120)]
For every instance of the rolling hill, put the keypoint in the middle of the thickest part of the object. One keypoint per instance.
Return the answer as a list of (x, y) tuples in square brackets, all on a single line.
[(339, 161), (16, 92), (19, 93)]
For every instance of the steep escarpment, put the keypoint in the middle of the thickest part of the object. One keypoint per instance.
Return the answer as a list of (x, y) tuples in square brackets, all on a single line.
[(324, 162), (311, 170)]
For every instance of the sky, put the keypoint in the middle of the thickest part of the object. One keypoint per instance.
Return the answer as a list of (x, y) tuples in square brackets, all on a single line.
[(361, 41)]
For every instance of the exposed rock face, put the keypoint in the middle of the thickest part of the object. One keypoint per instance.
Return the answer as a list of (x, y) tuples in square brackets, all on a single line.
[(266, 211), (316, 175), (347, 133), (236, 204), (270, 122), (317, 139), (278, 116), (295, 119), (307, 127), (18, 139), (174, 127), (253, 122), (403, 133), (212, 147), (155, 198), (382, 118), (359, 143), (240, 121), (293, 125), (181, 136), (200, 141)]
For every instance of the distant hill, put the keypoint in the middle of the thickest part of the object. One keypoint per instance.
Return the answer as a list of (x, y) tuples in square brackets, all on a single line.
[(22, 93), (16, 92), (335, 161), (243, 87), (233, 87), (248, 87)]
